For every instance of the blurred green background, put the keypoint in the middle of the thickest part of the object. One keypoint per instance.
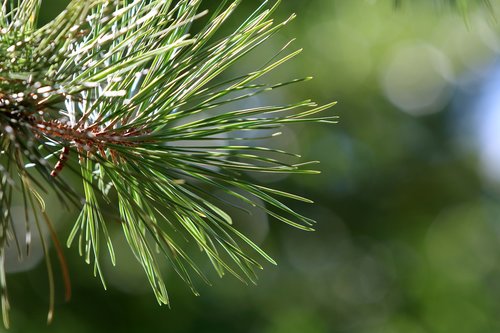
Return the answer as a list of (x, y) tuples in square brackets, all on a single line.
[(408, 202)]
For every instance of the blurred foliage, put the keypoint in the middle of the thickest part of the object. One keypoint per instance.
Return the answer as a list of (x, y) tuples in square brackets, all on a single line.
[(408, 238)]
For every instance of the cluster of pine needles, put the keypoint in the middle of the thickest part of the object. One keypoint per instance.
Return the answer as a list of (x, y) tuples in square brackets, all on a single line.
[(133, 97)]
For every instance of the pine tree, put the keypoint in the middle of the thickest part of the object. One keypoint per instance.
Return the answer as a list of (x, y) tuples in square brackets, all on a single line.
[(110, 91)]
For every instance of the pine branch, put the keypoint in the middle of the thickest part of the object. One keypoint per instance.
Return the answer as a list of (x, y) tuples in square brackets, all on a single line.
[(120, 86), (463, 6)]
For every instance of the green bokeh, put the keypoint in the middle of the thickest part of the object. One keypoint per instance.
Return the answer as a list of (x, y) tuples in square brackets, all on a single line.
[(408, 235)]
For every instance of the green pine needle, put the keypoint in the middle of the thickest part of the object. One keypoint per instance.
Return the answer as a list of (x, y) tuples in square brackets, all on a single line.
[(120, 86)]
